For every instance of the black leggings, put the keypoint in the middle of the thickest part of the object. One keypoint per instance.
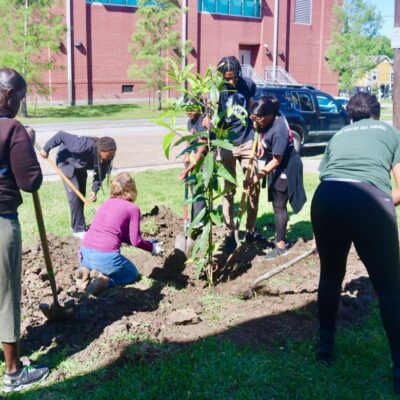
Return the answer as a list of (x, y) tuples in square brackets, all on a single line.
[(343, 213), (279, 204)]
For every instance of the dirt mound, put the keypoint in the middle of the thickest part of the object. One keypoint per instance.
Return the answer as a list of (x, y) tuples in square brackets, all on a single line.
[(283, 307)]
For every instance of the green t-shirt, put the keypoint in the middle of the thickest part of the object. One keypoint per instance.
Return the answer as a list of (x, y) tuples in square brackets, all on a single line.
[(364, 151)]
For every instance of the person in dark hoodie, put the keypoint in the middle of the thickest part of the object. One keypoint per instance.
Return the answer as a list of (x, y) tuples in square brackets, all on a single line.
[(283, 167), (77, 155), (19, 170)]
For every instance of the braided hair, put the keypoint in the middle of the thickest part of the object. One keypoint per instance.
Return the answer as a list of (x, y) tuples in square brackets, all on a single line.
[(230, 63), (104, 143)]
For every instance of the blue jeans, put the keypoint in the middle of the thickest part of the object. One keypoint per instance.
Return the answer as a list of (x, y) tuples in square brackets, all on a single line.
[(118, 268)]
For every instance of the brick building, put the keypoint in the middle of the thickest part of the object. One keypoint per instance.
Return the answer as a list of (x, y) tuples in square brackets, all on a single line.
[(269, 35)]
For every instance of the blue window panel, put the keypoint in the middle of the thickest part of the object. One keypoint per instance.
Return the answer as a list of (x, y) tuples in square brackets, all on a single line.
[(248, 8), (118, 2), (243, 8), (223, 7), (236, 7), (209, 6), (131, 3)]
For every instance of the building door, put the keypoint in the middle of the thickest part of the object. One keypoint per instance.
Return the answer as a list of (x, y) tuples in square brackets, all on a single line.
[(245, 57)]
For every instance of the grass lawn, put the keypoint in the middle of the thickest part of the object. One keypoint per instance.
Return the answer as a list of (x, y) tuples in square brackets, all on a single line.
[(210, 368), (88, 113)]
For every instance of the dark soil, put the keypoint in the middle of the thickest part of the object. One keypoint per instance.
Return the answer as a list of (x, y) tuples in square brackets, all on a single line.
[(283, 307)]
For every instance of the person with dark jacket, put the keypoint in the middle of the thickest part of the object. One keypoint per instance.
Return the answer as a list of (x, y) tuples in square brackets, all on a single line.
[(355, 204), (77, 155), (19, 170), (283, 167)]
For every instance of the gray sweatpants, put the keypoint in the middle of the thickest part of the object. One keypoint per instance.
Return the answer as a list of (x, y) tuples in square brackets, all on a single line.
[(10, 280)]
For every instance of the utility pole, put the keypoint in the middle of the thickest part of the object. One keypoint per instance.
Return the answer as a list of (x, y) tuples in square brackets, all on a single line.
[(396, 65)]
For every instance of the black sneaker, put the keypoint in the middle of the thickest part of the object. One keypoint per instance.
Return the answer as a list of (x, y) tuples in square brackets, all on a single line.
[(26, 377), (275, 252), (396, 380), (230, 243)]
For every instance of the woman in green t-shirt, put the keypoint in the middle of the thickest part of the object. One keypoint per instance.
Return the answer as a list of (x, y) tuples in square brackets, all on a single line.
[(355, 190)]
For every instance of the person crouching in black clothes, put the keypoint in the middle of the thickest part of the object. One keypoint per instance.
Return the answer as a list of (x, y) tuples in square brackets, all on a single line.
[(77, 155)]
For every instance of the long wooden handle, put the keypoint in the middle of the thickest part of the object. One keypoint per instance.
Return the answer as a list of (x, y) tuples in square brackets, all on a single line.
[(65, 178), (45, 245), (249, 170)]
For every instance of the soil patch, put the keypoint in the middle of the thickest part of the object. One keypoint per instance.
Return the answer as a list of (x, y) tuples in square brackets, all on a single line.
[(102, 328)]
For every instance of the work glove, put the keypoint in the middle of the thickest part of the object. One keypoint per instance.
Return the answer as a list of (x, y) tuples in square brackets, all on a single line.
[(157, 248)]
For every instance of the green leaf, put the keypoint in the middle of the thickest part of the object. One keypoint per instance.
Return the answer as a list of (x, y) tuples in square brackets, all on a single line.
[(188, 149), (188, 138), (224, 173), (216, 217), (208, 168), (167, 141), (197, 219), (223, 144)]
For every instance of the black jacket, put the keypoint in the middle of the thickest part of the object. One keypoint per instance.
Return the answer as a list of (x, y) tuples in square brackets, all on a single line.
[(78, 152), (19, 167)]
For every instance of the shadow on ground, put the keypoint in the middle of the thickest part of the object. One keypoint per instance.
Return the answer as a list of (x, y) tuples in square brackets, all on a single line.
[(232, 364)]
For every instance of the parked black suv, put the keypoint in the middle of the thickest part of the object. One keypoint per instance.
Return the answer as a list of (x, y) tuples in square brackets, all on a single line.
[(313, 116)]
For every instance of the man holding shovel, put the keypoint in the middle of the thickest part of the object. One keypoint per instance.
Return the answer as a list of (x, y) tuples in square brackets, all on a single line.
[(19, 169), (237, 92)]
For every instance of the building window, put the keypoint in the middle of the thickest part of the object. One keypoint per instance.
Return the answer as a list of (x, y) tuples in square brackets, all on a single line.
[(128, 3), (303, 12), (127, 89), (242, 8)]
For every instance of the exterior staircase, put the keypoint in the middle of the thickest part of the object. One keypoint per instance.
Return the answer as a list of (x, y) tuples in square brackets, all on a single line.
[(272, 76)]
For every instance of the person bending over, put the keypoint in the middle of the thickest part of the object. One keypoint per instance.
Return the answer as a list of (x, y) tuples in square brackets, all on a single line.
[(77, 155), (355, 204)]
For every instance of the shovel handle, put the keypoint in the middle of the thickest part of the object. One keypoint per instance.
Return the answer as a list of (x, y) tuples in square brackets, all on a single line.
[(45, 245), (65, 178)]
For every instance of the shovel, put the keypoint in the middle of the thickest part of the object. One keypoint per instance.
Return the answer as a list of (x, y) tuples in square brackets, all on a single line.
[(65, 178), (245, 193), (53, 312), (182, 242)]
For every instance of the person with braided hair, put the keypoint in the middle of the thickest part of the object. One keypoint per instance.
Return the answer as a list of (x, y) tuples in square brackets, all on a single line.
[(77, 155), (236, 95)]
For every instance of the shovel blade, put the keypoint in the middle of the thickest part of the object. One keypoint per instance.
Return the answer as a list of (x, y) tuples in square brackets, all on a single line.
[(180, 243), (56, 313)]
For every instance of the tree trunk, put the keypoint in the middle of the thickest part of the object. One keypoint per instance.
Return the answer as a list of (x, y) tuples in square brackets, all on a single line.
[(159, 99)]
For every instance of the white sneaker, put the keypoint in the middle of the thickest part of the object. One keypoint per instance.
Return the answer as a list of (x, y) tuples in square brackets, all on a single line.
[(79, 235)]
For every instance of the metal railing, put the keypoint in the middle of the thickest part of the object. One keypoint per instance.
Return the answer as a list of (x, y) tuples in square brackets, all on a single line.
[(278, 76), (249, 72)]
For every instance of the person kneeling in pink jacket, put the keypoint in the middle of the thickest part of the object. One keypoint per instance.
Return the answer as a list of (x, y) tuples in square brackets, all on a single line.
[(117, 221)]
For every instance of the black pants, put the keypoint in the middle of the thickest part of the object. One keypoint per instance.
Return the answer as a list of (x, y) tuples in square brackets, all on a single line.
[(343, 213), (76, 205), (280, 198)]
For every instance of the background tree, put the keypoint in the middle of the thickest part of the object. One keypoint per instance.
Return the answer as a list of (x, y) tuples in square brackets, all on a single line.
[(30, 32), (383, 46), (154, 41), (354, 41)]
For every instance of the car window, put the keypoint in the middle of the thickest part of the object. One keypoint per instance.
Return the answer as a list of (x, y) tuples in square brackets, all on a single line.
[(283, 97), (302, 101), (326, 104)]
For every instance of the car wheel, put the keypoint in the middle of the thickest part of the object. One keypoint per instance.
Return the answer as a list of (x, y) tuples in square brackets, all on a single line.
[(297, 140)]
